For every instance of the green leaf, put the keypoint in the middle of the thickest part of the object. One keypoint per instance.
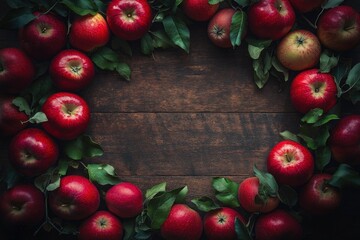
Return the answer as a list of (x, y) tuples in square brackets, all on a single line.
[(322, 136), (213, 2), (81, 7), (205, 204), (354, 97), (323, 157), (345, 176), (261, 68), (353, 78), (54, 184), (124, 70), (147, 46), (180, 197), (243, 3), (260, 43), (287, 135), (63, 166), (268, 186), (17, 18), (287, 195), (22, 105), (38, 117), (178, 32), (325, 119), (19, 4), (129, 228), (310, 142), (161, 39), (82, 147), (312, 116), (328, 60), (39, 91), (11, 177), (103, 174), (101, 6), (331, 3), (255, 51), (122, 45), (48, 181), (340, 72), (226, 191), (280, 68), (242, 233), (238, 28), (150, 193)]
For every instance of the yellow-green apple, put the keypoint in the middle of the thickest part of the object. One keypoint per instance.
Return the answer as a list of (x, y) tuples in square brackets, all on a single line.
[(89, 32), (271, 19), (220, 224), (312, 89), (75, 199), (102, 225), (290, 163), (16, 70), (199, 10), (248, 195), (219, 28), (317, 197), (182, 223), (129, 19), (277, 224), (32, 152), (68, 115), (22, 205), (345, 140), (44, 36), (299, 50), (11, 119), (339, 28), (305, 6), (71, 70), (124, 200)]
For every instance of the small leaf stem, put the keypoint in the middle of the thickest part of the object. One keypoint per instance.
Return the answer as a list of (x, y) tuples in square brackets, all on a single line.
[(51, 8)]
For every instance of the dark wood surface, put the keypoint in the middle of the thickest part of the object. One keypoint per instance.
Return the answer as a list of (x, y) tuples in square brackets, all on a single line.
[(185, 118)]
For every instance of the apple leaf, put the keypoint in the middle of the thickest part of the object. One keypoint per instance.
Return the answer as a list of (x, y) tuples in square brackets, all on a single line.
[(17, 18), (22, 105), (268, 186), (331, 3), (287, 135), (340, 72), (150, 193), (213, 2), (147, 46), (81, 7), (122, 45), (323, 157), (243, 3), (280, 68), (49, 181), (353, 78), (129, 228), (54, 184), (238, 27), (103, 174), (312, 116), (226, 191), (287, 195), (38, 117), (82, 147), (205, 204), (19, 4), (242, 232), (161, 39), (178, 32), (261, 67), (328, 60), (256, 46), (101, 6), (354, 96), (345, 176), (124, 70), (325, 119), (10, 177)]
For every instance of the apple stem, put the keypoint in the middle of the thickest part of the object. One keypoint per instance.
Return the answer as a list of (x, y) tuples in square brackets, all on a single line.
[(288, 158)]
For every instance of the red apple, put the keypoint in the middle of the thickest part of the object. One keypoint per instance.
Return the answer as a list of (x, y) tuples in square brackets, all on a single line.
[(299, 50), (199, 10), (312, 89), (276, 225), (68, 115), (22, 205), (129, 19), (219, 28), (16, 70), (11, 119), (339, 28), (345, 140), (182, 223), (102, 225), (305, 6), (71, 70), (32, 151), (319, 198), (89, 32), (271, 19), (124, 200), (220, 224), (290, 163), (75, 199), (247, 193), (44, 36)]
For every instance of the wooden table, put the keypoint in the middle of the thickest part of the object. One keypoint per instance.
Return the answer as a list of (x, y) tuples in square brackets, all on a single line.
[(185, 118)]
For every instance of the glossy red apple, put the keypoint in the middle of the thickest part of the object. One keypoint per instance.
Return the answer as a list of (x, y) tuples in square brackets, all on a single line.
[(305, 6), (75, 199), (271, 19), (71, 70), (129, 19), (339, 28), (44, 36), (124, 200), (199, 10), (220, 224), (89, 32), (299, 50), (68, 115), (32, 152), (219, 28), (22, 205), (102, 225), (319, 198), (290, 163), (312, 89), (277, 224), (16, 70), (247, 194), (345, 140), (182, 223), (11, 119)]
